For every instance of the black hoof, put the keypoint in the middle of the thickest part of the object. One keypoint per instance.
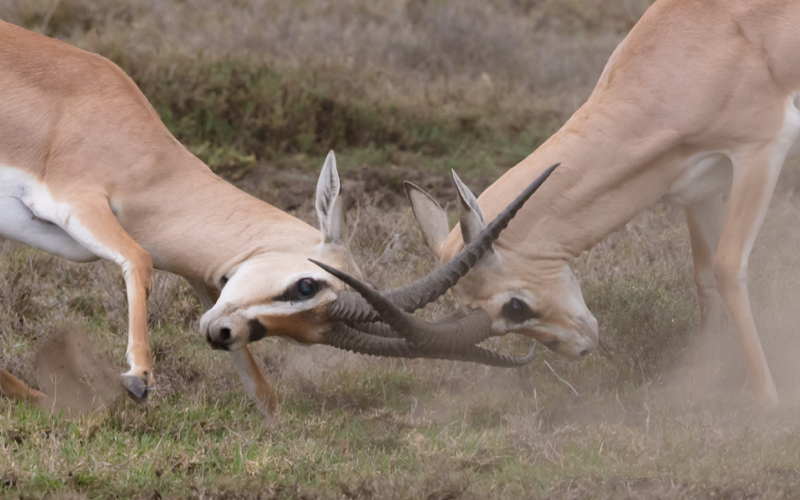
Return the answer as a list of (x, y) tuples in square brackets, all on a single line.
[(136, 387)]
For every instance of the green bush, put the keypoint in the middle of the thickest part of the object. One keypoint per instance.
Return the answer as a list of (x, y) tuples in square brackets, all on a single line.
[(231, 113)]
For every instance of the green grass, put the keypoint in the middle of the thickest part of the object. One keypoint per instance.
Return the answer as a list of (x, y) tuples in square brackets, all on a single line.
[(218, 444), (371, 428)]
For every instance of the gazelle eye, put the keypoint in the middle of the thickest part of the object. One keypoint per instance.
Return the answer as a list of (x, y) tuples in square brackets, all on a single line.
[(302, 289), (306, 288), (517, 311)]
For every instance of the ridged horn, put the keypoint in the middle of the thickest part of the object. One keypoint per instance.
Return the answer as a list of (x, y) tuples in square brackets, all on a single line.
[(353, 308), (450, 336), (372, 343)]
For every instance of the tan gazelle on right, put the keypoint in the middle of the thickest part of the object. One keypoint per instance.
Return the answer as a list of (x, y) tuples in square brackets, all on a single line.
[(88, 171), (699, 100)]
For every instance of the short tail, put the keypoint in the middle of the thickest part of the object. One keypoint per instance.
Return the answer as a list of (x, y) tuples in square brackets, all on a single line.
[(14, 388)]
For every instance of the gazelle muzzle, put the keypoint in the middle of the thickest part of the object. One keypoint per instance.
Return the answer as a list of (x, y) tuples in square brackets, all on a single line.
[(383, 324)]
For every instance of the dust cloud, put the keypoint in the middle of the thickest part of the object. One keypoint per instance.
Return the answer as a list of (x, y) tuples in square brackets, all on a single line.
[(76, 378)]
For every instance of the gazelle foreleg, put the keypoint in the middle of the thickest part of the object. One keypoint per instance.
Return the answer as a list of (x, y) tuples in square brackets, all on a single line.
[(92, 224), (256, 386), (705, 221), (754, 177)]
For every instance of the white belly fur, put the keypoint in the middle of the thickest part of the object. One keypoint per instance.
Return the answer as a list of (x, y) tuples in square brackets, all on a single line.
[(711, 172), (708, 173), (17, 221)]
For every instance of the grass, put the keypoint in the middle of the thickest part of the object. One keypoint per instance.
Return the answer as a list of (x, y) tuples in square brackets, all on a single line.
[(359, 427), (401, 91)]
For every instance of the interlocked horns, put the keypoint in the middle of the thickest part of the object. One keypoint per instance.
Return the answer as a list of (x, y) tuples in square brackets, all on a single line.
[(383, 324)]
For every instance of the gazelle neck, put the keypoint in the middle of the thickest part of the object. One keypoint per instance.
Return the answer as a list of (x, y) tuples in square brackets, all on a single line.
[(209, 226), (582, 201)]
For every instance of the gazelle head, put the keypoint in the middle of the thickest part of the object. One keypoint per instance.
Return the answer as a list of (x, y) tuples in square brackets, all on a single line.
[(539, 298), (305, 303), (279, 292)]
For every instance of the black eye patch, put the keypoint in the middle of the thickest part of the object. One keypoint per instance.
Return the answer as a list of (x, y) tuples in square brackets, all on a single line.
[(517, 311), (302, 289)]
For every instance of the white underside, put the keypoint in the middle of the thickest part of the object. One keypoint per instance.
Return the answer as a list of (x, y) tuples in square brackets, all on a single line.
[(19, 192), (711, 172), (708, 173)]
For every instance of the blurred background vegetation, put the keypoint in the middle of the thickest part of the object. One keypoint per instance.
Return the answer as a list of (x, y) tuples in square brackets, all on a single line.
[(472, 84)]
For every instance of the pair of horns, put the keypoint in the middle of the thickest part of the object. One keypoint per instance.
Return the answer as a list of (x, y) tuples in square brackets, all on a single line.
[(383, 324)]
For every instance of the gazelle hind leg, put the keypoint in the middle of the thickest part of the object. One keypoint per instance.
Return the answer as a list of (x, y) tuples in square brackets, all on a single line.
[(705, 220), (14, 388)]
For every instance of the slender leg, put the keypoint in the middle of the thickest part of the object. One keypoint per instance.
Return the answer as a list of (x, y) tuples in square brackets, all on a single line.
[(755, 174), (256, 386), (94, 226), (258, 389), (705, 221), (13, 388)]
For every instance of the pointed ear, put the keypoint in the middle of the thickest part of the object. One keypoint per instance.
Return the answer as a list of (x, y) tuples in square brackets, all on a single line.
[(431, 218), (470, 214), (329, 204)]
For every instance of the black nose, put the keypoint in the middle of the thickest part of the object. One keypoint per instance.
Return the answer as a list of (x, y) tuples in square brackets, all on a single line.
[(224, 334), (584, 352)]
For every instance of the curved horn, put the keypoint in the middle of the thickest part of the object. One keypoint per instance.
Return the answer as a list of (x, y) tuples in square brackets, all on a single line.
[(380, 329), (472, 329), (352, 339), (351, 307)]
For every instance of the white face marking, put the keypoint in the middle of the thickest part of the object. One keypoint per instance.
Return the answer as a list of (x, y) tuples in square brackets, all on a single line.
[(572, 341), (229, 292), (287, 308), (259, 283)]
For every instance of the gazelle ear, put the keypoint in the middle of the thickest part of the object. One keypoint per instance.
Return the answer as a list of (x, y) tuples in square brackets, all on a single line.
[(329, 203), (470, 214), (431, 218)]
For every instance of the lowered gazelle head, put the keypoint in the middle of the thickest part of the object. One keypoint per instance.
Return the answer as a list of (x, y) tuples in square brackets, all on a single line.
[(285, 293), (279, 292), (538, 298)]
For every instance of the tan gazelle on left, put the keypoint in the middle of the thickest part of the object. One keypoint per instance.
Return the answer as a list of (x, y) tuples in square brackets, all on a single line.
[(88, 171)]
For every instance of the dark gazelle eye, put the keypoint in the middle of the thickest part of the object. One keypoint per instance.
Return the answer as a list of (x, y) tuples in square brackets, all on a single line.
[(224, 280), (302, 289), (517, 311), (306, 288)]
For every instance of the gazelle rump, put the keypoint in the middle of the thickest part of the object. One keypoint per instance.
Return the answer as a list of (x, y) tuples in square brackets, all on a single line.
[(700, 99)]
